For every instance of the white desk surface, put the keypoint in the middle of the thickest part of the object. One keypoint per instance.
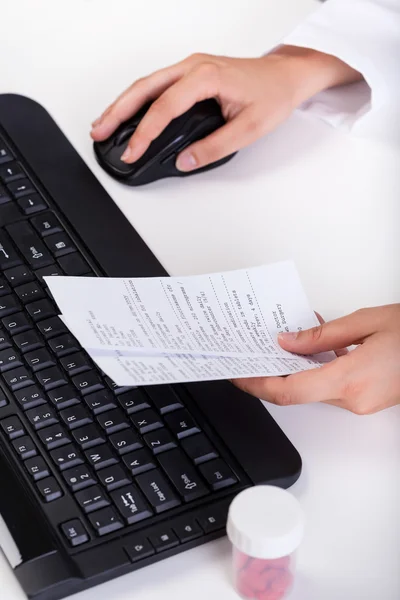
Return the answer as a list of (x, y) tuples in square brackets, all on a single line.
[(328, 200)]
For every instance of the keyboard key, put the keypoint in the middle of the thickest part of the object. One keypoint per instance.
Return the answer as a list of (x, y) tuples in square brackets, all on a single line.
[(159, 440), (59, 244), (21, 187), (3, 400), (199, 448), (75, 532), (217, 474), (164, 398), (73, 264), (50, 271), (9, 213), (18, 378), (29, 397), (39, 359), (115, 388), (139, 461), (12, 427), (9, 305), (113, 477), (5, 153), (88, 436), (125, 441), (41, 309), (51, 327), (75, 416), (63, 345), (29, 292), (87, 382), (51, 378), (101, 401), (183, 475), (49, 489), (17, 323), (131, 504), (112, 421), (4, 287), (31, 204), (157, 490), (28, 341), (54, 436), (212, 519), (11, 171), (138, 549), (105, 521), (5, 195), (79, 477), (133, 401), (146, 420), (187, 530), (41, 416), (164, 540), (92, 498), (24, 447), (66, 457), (63, 397), (181, 423), (46, 224), (29, 244), (5, 341), (100, 457), (37, 468), (76, 363), (9, 359), (8, 255), (19, 275)]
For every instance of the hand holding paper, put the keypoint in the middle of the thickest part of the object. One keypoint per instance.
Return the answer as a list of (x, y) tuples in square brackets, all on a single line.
[(180, 329)]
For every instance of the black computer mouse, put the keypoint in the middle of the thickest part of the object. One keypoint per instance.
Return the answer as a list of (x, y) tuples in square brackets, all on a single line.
[(159, 159)]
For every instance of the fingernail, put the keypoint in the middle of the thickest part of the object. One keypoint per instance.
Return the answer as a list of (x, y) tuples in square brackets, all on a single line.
[(125, 156), (96, 122), (288, 336), (186, 162)]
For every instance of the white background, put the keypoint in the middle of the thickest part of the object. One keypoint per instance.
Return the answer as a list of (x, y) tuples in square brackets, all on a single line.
[(328, 200)]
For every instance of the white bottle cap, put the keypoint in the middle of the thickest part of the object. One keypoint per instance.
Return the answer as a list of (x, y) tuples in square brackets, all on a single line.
[(265, 522)]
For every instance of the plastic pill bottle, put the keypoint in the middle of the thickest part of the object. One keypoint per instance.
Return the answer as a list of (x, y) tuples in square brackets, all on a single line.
[(265, 526)]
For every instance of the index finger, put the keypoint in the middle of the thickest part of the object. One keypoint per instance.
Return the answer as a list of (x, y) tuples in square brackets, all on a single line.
[(131, 100), (316, 385)]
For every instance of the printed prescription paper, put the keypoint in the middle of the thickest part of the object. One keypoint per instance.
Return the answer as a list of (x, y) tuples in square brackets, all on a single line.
[(179, 329)]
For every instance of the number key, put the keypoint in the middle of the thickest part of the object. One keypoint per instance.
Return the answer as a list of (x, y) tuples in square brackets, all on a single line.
[(41, 416), (9, 359)]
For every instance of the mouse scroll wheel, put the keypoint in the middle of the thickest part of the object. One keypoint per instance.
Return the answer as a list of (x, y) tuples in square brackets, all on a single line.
[(124, 136)]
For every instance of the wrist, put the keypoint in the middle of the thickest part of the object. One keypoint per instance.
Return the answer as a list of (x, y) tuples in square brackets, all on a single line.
[(309, 72)]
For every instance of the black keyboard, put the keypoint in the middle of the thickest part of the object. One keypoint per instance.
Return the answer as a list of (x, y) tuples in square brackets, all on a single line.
[(147, 471)]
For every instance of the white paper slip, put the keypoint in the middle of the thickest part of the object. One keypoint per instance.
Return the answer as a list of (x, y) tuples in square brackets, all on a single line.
[(180, 329)]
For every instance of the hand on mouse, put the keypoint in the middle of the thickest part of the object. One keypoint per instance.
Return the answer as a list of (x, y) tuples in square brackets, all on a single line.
[(255, 95), (364, 381)]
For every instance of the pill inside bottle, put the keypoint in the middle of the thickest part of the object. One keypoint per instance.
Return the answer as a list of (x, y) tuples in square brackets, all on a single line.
[(265, 526)]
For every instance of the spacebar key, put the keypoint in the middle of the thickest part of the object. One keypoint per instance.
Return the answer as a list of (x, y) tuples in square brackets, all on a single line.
[(29, 244)]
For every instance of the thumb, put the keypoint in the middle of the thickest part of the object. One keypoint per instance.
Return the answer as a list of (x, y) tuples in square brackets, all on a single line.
[(231, 137), (337, 334)]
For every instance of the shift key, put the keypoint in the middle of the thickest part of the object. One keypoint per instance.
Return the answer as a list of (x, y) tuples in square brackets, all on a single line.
[(30, 245)]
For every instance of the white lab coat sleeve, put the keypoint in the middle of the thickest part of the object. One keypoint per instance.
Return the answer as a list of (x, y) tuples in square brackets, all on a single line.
[(365, 34)]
